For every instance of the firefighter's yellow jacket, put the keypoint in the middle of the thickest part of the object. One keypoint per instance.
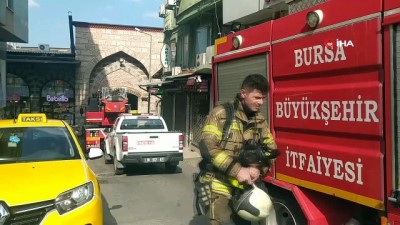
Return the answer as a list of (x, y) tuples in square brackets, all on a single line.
[(242, 128)]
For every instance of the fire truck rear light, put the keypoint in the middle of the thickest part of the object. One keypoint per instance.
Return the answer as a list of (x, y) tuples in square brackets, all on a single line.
[(181, 139), (124, 143)]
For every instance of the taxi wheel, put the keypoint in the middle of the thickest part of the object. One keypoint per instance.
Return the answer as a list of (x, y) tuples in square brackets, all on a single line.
[(117, 171)]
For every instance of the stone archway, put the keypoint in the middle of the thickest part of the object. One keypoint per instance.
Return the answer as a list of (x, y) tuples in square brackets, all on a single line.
[(121, 70)]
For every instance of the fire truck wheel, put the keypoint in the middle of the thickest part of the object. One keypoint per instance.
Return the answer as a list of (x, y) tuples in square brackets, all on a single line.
[(288, 212), (117, 170)]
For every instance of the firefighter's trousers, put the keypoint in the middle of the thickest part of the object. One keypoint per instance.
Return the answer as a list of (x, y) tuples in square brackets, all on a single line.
[(221, 212)]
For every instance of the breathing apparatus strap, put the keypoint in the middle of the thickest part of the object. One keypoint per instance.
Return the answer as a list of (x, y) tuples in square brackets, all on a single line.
[(226, 131)]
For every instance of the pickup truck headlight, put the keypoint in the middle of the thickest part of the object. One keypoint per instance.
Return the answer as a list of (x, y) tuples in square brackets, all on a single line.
[(74, 198)]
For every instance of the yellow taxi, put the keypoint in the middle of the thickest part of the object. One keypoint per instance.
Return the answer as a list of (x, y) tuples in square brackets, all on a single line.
[(44, 176)]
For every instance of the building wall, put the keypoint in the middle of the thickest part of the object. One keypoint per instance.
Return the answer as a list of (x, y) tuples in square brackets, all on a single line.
[(36, 76), (100, 49), (252, 12), (232, 12), (14, 22), (13, 28), (189, 30), (20, 25), (2, 75)]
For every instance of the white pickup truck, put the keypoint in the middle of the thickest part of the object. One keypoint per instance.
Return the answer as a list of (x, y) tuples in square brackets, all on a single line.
[(139, 139)]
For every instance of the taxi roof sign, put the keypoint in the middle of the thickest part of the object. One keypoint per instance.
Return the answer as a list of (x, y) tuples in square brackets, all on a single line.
[(32, 118)]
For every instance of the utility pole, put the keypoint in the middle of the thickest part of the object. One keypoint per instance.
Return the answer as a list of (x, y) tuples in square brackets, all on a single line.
[(150, 74)]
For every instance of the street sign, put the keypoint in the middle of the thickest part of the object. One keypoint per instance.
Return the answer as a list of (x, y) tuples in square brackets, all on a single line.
[(165, 55)]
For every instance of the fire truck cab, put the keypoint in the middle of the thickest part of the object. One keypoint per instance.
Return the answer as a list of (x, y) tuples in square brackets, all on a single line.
[(333, 107), (107, 105)]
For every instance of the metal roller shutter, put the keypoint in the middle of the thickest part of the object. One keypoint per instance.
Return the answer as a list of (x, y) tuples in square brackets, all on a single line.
[(180, 112), (167, 111), (232, 73), (396, 96)]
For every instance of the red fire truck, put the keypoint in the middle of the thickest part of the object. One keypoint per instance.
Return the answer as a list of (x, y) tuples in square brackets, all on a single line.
[(333, 108), (109, 104)]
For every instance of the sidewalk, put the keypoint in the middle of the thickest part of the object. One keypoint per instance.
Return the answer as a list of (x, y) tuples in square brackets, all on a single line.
[(191, 152)]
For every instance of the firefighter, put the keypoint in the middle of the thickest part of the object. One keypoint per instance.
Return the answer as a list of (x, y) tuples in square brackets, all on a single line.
[(225, 170)]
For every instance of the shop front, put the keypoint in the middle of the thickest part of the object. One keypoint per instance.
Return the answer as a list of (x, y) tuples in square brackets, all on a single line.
[(17, 98), (41, 82), (57, 100), (186, 102)]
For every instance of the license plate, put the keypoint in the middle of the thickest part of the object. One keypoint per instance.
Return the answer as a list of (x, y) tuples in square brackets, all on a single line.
[(154, 159), (145, 142)]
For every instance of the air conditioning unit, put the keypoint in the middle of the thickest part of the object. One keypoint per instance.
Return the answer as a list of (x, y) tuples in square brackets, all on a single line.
[(161, 12), (175, 70), (167, 27), (209, 54), (11, 45), (200, 59), (44, 47), (170, 4)]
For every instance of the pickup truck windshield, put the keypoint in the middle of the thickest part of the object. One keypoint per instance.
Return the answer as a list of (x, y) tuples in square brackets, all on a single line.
[(133, 124), (27, 144)]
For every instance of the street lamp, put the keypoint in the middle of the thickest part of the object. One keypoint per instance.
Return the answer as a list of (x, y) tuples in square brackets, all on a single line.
[(151, 43)]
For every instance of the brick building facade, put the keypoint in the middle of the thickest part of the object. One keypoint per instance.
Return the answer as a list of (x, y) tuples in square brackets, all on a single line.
[(117, 56)]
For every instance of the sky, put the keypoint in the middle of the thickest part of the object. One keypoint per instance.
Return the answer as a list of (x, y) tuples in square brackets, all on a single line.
[(48, 19)]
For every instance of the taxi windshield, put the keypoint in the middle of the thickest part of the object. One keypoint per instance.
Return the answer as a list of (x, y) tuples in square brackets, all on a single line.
[(36, 144)]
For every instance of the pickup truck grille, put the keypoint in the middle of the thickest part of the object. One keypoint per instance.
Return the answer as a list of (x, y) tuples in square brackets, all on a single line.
[(31, 214)]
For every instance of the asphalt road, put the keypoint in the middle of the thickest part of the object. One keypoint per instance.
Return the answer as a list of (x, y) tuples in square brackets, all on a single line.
[(147, 195)]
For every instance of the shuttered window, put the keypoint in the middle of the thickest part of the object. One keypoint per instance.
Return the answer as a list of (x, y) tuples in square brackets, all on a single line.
[(230, 75), (396, 101)]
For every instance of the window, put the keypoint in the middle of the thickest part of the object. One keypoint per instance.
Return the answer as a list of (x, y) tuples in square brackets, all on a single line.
[(202, 39), (57, 88), (57, 100), (36, 144), (16, 85), (132, 124), (183, 51), (173, 53), (10, 4)]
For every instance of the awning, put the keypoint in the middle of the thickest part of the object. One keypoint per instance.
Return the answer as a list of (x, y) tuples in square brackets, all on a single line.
[(193, 81), (155, 84), (202, 71), (76, 62)]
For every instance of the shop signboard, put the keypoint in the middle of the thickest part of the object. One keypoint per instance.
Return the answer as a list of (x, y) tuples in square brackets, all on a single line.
[(165, 55), (13, 97), (61, 98)]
